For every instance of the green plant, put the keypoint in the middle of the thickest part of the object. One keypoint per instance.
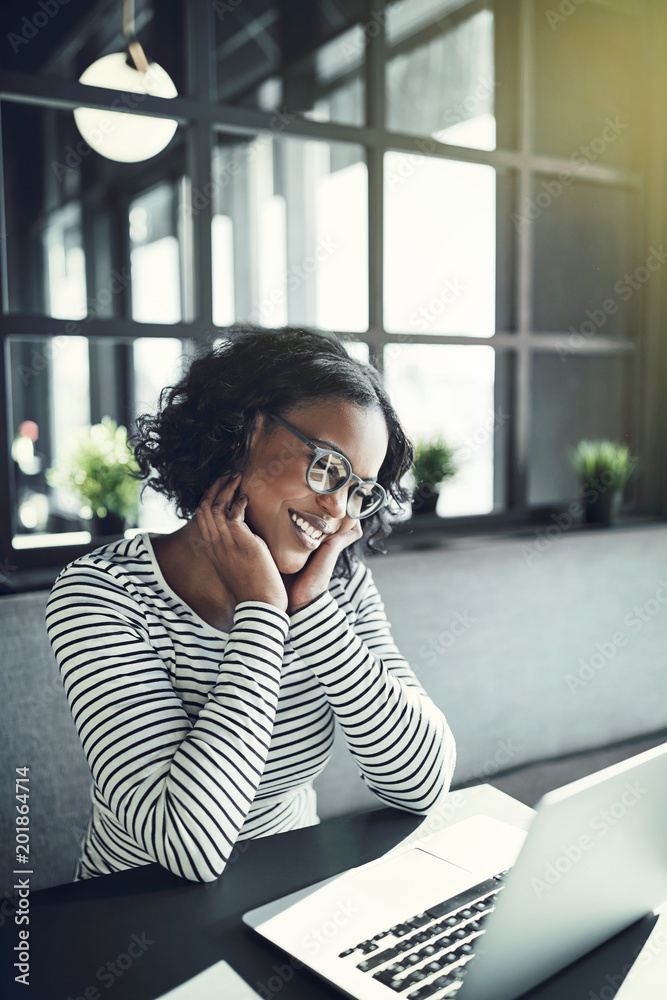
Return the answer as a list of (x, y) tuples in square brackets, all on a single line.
[(433, 463), (605, 462), (95, 468)]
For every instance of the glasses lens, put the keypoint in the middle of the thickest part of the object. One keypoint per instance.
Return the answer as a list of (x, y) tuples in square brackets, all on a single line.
[(365, 499), (328, 473)]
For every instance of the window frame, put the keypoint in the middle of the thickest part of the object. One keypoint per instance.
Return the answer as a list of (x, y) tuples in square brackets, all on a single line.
[(202, 115)]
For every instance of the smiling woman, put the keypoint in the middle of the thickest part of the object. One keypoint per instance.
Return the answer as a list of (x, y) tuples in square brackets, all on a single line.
[(204, 669)]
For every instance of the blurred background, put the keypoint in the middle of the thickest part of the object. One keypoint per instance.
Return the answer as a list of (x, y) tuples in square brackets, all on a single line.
[(472, 194)]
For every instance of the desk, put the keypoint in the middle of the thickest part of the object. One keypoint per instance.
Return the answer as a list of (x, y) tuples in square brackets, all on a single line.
[(177, 928)]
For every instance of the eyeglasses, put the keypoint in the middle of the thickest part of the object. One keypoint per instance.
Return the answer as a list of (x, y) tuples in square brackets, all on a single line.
[(329, 471)]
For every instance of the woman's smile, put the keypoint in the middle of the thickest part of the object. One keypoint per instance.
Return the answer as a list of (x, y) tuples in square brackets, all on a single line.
[(307, 535)]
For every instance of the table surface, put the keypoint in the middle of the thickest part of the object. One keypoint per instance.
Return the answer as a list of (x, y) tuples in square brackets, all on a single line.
[(176, 928)]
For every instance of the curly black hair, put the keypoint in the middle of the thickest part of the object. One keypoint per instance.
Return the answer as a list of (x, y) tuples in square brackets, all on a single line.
[(204, 423)]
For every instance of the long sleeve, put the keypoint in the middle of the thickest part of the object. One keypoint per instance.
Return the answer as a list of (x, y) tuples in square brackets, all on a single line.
[(398, 737), (180, 790)]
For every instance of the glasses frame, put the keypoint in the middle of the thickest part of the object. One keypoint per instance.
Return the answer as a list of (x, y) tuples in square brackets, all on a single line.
[(351, 476)]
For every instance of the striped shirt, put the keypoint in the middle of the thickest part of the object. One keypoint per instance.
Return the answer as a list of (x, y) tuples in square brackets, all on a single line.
[(197, 738)]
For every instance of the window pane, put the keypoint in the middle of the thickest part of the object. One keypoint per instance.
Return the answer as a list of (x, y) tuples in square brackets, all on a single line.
[(155, 256), (158, 362), (598, 406), (305, 58), (290, 233), (590, 83), (440, 246), (588, 274), (65, 251), (451, 71), (49, 402), (358, 350), (451, 392)]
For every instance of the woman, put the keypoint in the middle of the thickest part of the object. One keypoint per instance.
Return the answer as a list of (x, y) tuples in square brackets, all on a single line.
[(204, 668)]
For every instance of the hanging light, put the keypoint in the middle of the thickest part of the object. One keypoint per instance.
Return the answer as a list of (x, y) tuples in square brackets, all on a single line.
[(118, 135)]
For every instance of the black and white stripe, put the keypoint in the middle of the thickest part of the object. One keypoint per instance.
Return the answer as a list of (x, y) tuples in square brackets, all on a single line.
[(197, 739)]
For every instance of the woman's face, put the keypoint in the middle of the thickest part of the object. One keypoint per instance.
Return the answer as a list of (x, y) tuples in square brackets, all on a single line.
[(275, 477)]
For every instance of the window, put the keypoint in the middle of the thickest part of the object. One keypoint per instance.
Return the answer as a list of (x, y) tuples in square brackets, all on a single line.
[(457, 187)]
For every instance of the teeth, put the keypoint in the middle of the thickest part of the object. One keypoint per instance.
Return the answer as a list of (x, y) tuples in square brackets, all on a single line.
[(306, 527)]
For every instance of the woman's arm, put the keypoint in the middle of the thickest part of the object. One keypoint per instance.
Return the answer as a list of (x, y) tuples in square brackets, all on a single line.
[(182, 791), (399, 738)]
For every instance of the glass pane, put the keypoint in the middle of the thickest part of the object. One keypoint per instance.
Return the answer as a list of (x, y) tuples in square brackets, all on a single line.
[(157, 363), (290, 233), (358, 350), (155, 256), (451, 392), (440, 246), (451, 71), (590, 83), (598, 406), (64, 264), (65, 251), (62, 38), (51, 402), (304, 58), (588, 275)]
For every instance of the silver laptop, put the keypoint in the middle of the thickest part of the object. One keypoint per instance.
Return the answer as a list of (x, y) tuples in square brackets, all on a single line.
[(482, 910)]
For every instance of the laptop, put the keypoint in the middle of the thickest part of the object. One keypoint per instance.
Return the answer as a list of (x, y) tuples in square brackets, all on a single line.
[(482, 910)]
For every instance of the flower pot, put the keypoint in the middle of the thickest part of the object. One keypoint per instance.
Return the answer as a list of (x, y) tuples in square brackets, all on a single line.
[(425, 500), (600, 508), (111, 524)]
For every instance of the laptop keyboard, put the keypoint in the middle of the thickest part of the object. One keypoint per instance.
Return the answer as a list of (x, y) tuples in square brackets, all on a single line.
[(426, 955)]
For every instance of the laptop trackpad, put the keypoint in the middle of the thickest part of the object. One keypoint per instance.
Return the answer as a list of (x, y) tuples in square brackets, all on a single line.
[(364, 901)]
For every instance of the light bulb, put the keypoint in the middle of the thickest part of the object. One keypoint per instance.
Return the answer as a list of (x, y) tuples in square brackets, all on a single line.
[(117, 134)]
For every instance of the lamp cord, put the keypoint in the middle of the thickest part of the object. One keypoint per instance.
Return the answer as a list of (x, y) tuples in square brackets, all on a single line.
[(136, 51)]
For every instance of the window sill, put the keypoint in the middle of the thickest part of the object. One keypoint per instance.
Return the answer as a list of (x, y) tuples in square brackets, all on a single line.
[(421, 533)]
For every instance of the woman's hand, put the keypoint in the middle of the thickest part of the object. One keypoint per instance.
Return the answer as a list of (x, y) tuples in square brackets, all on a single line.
[(241, 558), (311, 581)]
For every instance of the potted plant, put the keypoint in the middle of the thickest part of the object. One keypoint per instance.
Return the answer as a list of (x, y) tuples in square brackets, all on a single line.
[(96, 469), (603, 469), (433, 463)]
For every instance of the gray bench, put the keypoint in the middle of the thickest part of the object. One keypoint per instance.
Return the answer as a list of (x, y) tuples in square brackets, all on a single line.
[(492, 631)]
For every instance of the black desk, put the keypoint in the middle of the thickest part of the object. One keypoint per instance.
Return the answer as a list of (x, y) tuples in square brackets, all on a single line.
[(176, 928)]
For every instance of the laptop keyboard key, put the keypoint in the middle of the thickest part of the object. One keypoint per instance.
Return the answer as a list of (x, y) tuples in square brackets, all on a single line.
[(399, 930), (463, 898), (378, 959)]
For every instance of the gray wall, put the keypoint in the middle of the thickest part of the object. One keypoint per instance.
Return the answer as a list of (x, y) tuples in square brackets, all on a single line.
[(533, 617)]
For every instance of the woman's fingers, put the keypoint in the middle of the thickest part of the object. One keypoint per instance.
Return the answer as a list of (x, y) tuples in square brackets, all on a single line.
[(215, 503)]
